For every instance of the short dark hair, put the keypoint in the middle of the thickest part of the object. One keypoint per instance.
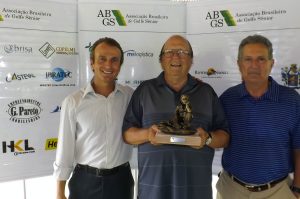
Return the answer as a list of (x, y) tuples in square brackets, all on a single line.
[(256, 39), (109, 41), (162, 49)]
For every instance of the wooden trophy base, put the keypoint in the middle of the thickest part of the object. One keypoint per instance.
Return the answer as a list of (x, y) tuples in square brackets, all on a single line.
[(188, 140)]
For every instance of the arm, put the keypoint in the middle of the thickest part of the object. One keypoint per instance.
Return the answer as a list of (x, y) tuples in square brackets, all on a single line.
[(60, 187), (220, 138), (63, 165), (296, 181), (137, 136)]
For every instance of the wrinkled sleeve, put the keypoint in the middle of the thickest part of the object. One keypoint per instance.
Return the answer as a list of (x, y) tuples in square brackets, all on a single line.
[(220, 121), (296, 130), (64, 161), (134, 112)]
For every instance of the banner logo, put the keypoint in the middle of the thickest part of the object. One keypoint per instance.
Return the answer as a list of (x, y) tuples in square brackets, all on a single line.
[(56, 109), (110, 17), (51, 144), (58, 74), (133, 53), (291, 76), (217, 18), (47, 50), (24, 110), (211, 73), (17, 147), (12, 77), (89, 46), (65, 51), (13, 48)]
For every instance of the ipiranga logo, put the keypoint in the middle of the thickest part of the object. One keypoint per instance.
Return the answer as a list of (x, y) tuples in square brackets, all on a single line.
[(110, 17), (219, 18)]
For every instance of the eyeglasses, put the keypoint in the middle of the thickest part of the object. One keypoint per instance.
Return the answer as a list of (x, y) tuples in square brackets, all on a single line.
[(181, 53)]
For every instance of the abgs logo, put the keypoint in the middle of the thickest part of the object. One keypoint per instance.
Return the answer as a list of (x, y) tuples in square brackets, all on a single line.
[(218, 17), (110, 17)]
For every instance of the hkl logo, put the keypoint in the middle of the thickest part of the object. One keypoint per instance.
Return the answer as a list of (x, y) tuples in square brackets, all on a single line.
[(109, 20), (217, 21), (18, 147)]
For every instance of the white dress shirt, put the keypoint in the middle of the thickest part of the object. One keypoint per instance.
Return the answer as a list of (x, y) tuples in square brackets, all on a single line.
[(90, 131)]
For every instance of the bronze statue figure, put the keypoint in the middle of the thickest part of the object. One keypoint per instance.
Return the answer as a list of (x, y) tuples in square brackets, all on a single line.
[(181, 123)]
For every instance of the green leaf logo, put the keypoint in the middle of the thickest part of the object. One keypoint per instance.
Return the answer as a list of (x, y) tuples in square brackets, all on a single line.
[(119, 17), (228, 18)]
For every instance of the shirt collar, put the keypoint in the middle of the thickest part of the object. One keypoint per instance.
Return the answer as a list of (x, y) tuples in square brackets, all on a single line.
[(272, 92), (90, 90), (160, 81)]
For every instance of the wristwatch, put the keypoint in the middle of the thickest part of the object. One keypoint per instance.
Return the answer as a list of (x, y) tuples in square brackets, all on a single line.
[(295, 189), (208, 140)]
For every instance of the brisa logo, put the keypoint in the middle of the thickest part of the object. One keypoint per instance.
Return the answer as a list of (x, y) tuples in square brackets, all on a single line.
[(109, 17), (13, 48), (17, 147), (24, 110), (217, 18)]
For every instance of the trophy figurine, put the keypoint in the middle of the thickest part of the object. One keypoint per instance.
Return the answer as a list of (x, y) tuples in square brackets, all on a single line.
[(178, 130)]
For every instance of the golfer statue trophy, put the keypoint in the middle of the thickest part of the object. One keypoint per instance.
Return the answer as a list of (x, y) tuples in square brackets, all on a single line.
[(178, 130)]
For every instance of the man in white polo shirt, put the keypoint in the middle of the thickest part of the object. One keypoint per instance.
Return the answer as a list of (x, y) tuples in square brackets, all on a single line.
[(90, 136)]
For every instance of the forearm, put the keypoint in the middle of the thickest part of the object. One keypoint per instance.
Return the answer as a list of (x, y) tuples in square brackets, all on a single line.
[(136, 136), (220, 139), (296, 181), (297, 168), (60, 187)]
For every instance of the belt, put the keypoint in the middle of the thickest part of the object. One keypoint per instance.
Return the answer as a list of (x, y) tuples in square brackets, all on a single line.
[(100, 172), (257, 188)]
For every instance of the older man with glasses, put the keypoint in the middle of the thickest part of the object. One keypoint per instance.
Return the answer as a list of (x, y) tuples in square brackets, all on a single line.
[(172, 171)]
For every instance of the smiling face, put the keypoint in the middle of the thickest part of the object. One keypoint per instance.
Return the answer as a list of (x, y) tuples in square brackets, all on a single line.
[(106, 64), (254, 64), (176, 60)]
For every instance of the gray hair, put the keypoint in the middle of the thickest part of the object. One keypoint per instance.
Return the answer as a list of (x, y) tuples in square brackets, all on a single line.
[(256, 39)]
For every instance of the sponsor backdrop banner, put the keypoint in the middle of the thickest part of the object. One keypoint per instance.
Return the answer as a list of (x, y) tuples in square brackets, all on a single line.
[(38, 67), (141, 30), (39, 62), (215, 30)]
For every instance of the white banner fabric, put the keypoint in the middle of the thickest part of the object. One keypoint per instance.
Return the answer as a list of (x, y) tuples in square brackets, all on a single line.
[(39, 66)]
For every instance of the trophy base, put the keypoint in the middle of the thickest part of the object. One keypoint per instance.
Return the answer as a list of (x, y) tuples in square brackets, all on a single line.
[(188, 140)]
